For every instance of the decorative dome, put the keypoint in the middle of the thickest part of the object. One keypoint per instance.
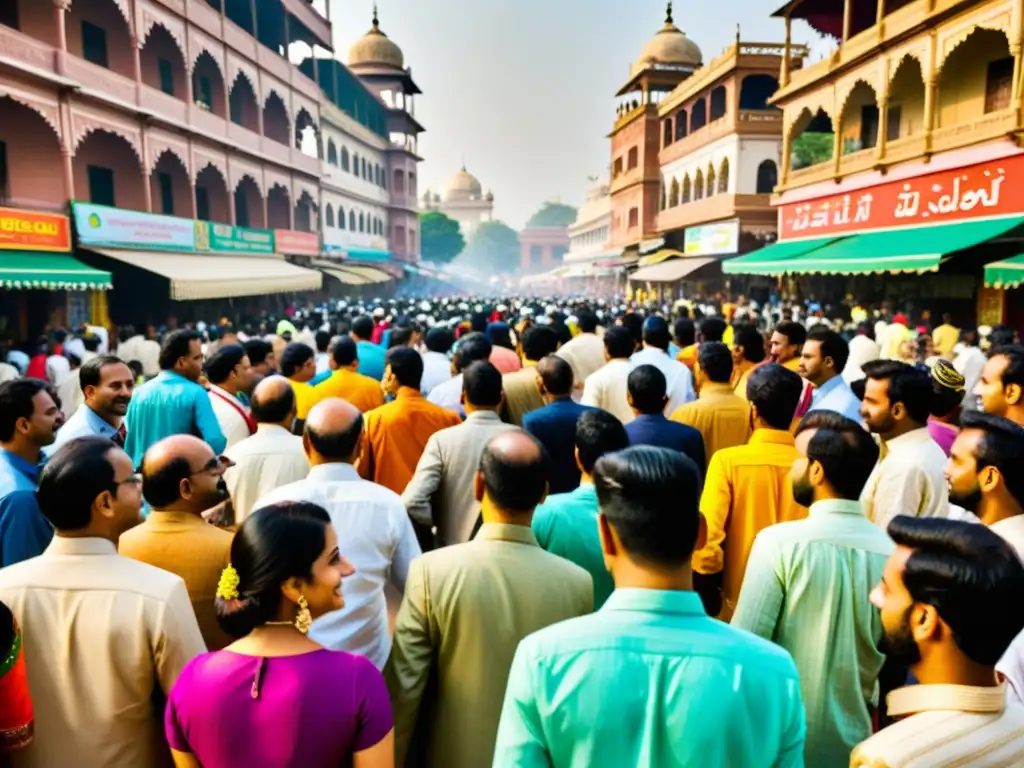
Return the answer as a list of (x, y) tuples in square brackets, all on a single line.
[(463, 186), (670, 46), (376, 48)]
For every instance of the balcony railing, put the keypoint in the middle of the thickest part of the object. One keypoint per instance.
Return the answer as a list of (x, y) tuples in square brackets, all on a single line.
[(20, 47), (720, 206), (99, 79)]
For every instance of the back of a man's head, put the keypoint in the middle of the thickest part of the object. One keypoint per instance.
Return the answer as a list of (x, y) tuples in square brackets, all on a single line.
[(481, 385), (712, 329), (294, 357), (334, 429), (472, 348), (655, 333), (684, 331), (618, 343), (556, 374), (715, 361), (272, 401), (223, 363), (649, 497), (586, 321), (647, 389), (598, 433), (538, 342), (344, 352), (72, 479), (439, 339), (362, 327), (406, 366), (516, 470), (176, 346), (844, 449), (323, 341), (258, 350), (775, 392)]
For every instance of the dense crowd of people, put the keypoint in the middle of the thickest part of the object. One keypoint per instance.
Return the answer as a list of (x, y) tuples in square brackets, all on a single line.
[(515, 532)]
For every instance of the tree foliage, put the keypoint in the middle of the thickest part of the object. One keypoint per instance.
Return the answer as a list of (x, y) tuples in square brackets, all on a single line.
[(811, 148), (493, 248), (441, 238), (553, 215)]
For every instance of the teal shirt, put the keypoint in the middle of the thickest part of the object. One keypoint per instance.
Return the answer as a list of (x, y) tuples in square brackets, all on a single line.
[(650, 681), (566, 525), (807, 588)]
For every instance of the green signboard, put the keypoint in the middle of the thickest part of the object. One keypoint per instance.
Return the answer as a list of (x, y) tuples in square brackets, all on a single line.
[(223, 238)]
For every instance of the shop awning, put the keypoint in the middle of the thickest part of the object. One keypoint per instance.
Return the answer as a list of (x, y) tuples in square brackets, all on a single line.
[(346, 278), (1008, 273), (659, 256), (50, 271), (771, 254), (670, 271), (368, 254), (370, 274), (195, 276)]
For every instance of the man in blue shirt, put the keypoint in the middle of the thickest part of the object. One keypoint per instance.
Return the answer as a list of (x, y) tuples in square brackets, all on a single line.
[(371, 356), (650, 679), (107, 383), (173, 403), (822, 361), (646, 394), (554, 425), (29, 419)]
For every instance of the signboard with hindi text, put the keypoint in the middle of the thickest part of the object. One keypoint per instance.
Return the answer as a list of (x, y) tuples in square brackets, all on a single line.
[(987, 189), (34, 231), (224, 238), (718, 239), (296, 243), (101, 225)]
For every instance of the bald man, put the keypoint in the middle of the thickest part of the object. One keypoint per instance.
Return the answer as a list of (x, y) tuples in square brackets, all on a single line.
[(374, 532), (467, 606), (181, 479), (273, 456), (554, 425)]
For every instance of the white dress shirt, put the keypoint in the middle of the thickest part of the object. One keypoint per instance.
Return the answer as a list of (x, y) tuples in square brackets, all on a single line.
[(448, 394), (437, 369), (70, 393), (606, 389), (969, 362), (267, 460), (908, 481), (376, 536), (232, 422), (677, 376), (862, 350), (585, 353), (1011, 666)]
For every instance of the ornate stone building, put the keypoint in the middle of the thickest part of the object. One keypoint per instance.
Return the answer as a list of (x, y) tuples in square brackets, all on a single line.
[(463, 200)]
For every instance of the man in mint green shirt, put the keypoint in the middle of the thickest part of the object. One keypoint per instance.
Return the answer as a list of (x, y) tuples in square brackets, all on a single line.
[(650, 681), (566, 524), (807, 585)]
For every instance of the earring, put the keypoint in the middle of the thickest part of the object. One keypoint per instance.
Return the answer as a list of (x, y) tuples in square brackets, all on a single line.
[(303, 618)]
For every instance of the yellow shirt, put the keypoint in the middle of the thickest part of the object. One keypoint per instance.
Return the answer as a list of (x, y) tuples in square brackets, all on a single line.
[(362, 391), (945, 338), (747, 489), (306, 396), (688, 356), (722, 418)]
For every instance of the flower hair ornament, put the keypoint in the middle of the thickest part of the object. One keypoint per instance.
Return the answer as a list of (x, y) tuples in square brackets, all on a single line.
[(227, 587)]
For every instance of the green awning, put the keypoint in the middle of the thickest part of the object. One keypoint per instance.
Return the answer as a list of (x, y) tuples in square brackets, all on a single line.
[(1008, 273), (750, 264), (50, 271)]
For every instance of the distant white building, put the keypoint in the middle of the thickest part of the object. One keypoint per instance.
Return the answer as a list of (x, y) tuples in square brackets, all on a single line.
[(462, 200), (590, 234)]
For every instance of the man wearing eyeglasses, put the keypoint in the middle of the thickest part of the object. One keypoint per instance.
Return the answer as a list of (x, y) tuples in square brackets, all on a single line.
[(181, 479)]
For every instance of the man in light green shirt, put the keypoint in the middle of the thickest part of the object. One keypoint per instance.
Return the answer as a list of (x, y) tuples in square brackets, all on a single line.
[(650, 681), (808, 581), (566, 523)]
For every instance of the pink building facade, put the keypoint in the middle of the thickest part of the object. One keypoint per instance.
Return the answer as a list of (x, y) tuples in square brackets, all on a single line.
[(542, 248)]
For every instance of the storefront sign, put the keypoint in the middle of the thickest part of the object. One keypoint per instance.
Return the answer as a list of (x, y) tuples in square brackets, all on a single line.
[(117, 228), (716, 239), (223, 238), (297, 243), (32, 231), (982, 190)]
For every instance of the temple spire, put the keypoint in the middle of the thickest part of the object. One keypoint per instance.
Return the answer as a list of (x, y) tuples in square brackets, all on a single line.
[(376, 21), (668, 12)]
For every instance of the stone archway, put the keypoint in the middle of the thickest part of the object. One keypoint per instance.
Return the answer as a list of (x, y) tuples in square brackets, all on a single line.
[(208, 85), (107, 171), (213, 203), (99, 32), (35, 172), (276, 125), (279, 208), (249, 204), (169, 186), (163, 63), (242, 106)]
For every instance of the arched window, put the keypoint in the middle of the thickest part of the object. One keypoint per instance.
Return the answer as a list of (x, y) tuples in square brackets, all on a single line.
[(673, 194), (682, 122), (364, 168), (344, 159), (355, 163), (341, 217), (723, 177), (362, 223), (352, 221), (332, 152), (698, 185), (685, 195), (329, 215), (767, 177), (711, 181), (668, 132)]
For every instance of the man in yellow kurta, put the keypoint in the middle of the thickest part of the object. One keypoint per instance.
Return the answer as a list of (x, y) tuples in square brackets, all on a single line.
[(946, 336), (747, 489), (298, 365)]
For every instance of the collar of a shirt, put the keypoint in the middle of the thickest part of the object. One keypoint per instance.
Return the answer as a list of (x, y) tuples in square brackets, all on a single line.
[(174, 518), (18, 464), (655, 601), (272, 430), (908, 440), (334, 472), (958, 698), (408, 393), (776, 436), (489, 416), (89, 545), (711, 388), (836, 507), (520, 534), (834, 383), (96, 422)]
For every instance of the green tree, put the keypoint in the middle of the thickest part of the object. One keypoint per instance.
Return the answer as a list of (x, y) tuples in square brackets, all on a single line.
[(493, 248), (553, 215), (811, 148), (441, 238)]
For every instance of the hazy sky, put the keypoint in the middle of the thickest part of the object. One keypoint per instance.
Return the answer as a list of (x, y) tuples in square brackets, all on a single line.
[(524, 90)]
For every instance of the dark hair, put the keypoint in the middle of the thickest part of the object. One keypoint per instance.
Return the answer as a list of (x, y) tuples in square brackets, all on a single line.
[(293, 357), (970, 575), (618, 342), (649, 496), (857, 387), (345, 352), (163, 487), (362, 327), (685, 332), (399, 337), (136, 367), (499, 334), (556, 374), (16, 402), (647, 386), (775, 391), (176, 346), (845, 450), (716, 361), (481, 384), (752, 342), (516, 484), (323, 340), (907, 385), (1001, 336), (406, 365), (795, 333), (125, 332), (832, 345), (472, 348), (598, 433), (275, 543), (866, 329), (586, 321), (712, 329), (89, 375), (224, 361), (272, 409), (78, 472), (439, 339), (1001, 447), (1014, 354), (539, 341), (334, 443), (655, 332), (258, 350), (634, 323)]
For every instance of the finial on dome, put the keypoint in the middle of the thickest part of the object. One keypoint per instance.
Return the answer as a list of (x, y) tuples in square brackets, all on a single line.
[(668, 12), (376, 21), (737, 33)]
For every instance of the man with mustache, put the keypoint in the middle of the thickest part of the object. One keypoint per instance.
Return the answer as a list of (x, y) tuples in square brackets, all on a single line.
[(107, 383), (181, 479)]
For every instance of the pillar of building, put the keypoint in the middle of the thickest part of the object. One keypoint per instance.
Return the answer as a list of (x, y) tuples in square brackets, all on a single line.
[(929, 111), (524, 255), (847, 18), (883, 127), (784, 72), (147, 190)]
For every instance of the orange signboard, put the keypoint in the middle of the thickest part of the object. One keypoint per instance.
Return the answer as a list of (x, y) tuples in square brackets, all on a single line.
[(33, 231)]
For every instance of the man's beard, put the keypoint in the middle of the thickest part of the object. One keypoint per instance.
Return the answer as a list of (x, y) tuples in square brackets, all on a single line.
[(883, 427), (900, 647), (969, 500), (803, 491)]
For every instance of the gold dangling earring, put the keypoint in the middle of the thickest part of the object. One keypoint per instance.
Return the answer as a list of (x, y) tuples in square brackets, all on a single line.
[(303, 619)]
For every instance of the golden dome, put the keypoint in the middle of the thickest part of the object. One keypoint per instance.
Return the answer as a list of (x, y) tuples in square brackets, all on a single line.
[(670, 46), (463, 186), (376, 48)]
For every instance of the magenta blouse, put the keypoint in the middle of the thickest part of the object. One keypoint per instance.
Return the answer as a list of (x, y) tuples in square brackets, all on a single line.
[(307, 711), (943, 434)]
